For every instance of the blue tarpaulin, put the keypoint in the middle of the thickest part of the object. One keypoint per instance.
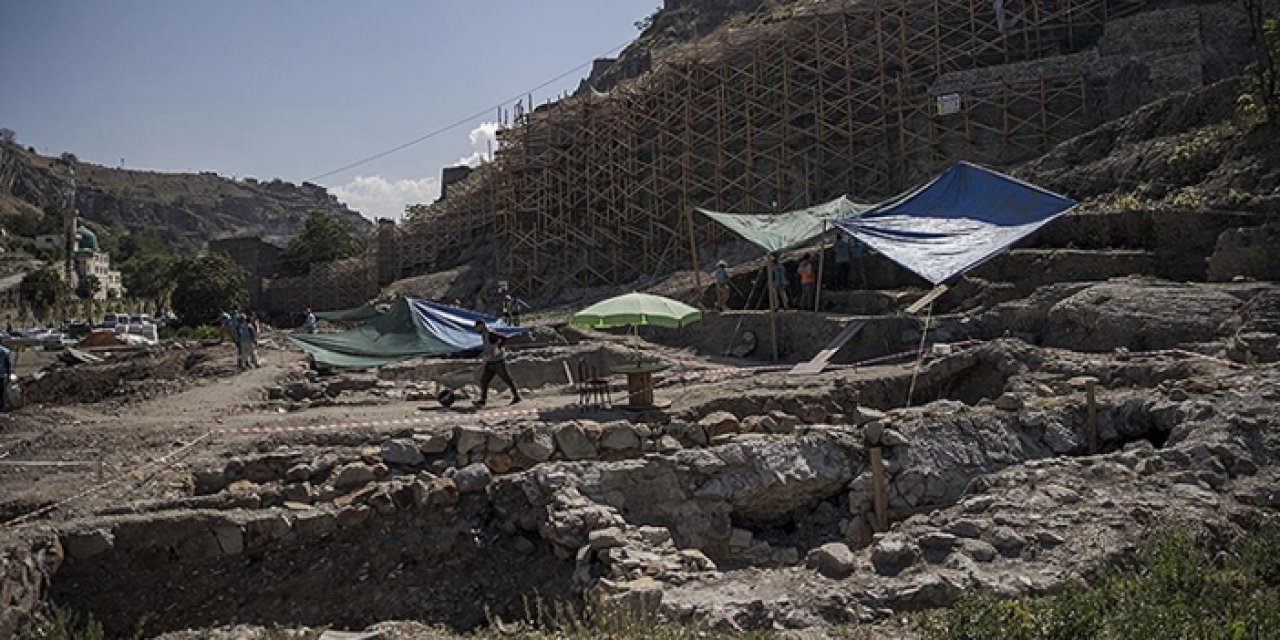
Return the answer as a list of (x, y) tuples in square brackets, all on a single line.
[(959, 220), (410, 328)]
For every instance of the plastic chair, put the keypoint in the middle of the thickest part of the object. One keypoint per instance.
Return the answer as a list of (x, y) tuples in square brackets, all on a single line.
[(593, 391)]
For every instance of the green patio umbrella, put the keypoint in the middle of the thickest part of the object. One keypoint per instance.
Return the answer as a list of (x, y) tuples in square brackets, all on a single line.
[(636, 309)]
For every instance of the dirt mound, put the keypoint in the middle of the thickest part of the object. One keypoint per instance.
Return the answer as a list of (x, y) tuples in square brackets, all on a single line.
[(102, 339), (1194, 150), (141, 375)]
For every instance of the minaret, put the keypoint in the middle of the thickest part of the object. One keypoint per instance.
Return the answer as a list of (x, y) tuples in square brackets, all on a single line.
[(69, 230)]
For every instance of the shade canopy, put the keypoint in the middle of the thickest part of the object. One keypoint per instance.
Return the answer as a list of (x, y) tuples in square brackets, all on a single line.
[(410, 328), (961, 219), (783, 231), (636, 309)]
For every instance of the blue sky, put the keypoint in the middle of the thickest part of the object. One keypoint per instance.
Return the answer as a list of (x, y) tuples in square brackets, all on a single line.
[(289, 88)]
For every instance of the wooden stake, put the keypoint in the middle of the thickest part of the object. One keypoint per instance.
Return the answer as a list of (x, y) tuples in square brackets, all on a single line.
[(880, 490), (1091, 394)]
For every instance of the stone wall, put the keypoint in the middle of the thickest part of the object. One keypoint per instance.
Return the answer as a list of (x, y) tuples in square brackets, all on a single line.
[(259, 259), (342, 284)]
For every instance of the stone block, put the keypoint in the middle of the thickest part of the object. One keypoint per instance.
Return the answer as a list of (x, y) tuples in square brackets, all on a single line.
[(574, 443), (834, 560)]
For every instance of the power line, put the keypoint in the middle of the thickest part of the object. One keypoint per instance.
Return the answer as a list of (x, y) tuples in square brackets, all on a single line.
[(462, 121)]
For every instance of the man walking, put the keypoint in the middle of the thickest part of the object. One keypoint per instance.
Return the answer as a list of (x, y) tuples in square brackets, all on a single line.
[(495, 363), (246, 350), (721, 275)]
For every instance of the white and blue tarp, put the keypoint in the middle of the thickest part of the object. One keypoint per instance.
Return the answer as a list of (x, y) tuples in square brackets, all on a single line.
[(409, 329), (959, 220)]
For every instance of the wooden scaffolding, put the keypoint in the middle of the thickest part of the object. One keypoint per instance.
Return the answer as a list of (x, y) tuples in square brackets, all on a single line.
[(832, 98)]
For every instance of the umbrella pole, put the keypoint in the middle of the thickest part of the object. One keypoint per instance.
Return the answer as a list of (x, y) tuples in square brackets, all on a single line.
[(773, 310)]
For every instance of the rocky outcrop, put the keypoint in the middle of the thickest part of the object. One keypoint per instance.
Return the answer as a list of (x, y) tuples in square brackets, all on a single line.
[(1132, 313)]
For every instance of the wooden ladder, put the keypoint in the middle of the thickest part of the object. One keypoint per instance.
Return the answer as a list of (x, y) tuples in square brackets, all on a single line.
[(819, 362)]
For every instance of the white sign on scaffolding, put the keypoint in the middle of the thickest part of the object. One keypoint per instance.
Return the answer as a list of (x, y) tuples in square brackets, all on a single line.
[(948, 104)]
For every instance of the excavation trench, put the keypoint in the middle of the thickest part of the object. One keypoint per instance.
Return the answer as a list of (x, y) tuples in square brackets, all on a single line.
[(347, 569), (415, 544)]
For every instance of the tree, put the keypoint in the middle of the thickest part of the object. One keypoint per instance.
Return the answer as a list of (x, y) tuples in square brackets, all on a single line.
[(43, 289), (88, 287), (147, 240), (150, 276), (323, 239), (206, 286), (8, 135), (1264, 36)]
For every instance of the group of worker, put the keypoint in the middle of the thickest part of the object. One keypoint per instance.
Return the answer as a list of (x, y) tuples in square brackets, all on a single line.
[(243, 330), (845, 252)]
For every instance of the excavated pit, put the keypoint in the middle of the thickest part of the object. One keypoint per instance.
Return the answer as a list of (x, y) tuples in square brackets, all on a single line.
[(408, 548), (349, 530), (347, 569)]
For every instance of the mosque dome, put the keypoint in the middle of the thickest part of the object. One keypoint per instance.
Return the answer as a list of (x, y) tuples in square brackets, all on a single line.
[(86, 240)]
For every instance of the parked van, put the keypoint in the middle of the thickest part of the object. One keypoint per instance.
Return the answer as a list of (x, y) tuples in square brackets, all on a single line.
[(112, 319)]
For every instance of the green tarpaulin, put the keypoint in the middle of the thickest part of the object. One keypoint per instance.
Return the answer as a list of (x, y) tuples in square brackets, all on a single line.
[(410, 328), (783, 231), (359, 314)]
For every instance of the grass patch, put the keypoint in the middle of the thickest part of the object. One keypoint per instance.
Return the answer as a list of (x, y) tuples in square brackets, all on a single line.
[(202, 332), (1173, 588)]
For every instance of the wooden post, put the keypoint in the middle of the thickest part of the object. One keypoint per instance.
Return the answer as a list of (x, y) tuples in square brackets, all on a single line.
[(773, 308), (879, 489), (693, 255), (822, 254), (1091, 394)]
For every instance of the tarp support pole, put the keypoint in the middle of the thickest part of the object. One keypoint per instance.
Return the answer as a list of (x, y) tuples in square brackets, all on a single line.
[(773, 309), (693, 255), (822, 255)]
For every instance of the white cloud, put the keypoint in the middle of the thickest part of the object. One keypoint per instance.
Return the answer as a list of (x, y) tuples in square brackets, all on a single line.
[(377, 197), (484, 141)]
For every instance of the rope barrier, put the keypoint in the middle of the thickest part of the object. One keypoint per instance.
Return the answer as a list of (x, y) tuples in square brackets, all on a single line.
[(119, 479)]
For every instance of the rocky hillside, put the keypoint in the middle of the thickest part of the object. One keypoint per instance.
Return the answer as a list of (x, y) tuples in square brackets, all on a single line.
[(1204, 149), (187, 209), (678, 21)]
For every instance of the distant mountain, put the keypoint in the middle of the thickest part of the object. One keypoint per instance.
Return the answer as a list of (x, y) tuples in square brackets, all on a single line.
[(186, 210)]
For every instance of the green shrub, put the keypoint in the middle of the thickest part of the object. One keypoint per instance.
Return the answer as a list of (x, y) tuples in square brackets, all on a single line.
[(64, 625), (1173, 588), (202, 332)]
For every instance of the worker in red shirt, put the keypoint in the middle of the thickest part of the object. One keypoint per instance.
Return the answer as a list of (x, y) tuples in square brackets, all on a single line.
[(808, 283)]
